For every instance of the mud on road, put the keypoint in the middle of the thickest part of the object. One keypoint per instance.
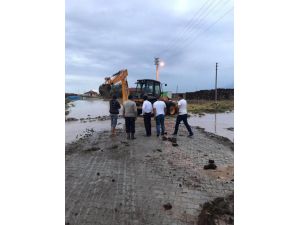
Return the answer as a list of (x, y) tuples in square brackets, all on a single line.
[(115, 181)]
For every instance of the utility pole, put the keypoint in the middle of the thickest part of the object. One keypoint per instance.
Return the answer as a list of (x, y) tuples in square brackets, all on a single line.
[(216, 94), (156, 62)]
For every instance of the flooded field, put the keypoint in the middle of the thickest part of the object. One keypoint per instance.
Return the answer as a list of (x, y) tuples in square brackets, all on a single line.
[(92, 108), (221, 123)]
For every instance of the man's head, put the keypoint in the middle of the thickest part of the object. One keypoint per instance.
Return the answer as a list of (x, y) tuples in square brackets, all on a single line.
[(114, 97), (145, 97), (180, 96), (130, 97)]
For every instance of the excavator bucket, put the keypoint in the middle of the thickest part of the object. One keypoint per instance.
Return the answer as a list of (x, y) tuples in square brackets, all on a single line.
[(104, 90), (108, 90)]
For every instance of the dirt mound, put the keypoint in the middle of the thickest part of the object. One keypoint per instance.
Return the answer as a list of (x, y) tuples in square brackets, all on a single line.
[(219, 211)]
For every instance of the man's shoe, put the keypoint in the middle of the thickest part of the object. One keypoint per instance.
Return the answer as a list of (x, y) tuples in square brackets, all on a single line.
[(157, 135), (132, 136), (174, 134), (190, 135)]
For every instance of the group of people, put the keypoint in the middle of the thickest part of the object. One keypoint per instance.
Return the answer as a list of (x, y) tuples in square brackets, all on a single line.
[(159, 109)]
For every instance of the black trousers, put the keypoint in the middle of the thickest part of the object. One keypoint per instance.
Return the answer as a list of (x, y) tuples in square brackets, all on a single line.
[(130, 124), (147, 123), (184, 119)]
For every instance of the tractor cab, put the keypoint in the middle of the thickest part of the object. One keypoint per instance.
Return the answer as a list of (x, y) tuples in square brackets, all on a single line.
[(153, 90), (148, 87)]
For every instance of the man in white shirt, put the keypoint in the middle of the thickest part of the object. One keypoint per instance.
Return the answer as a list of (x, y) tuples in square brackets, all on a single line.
[(159, 109), (146, 112), (182, 116)]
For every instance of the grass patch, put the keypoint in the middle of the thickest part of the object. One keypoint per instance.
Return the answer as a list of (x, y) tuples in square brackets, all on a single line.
[(211, 107)]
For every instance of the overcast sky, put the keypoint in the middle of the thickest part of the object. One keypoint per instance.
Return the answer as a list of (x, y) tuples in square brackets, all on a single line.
[(190, 36)]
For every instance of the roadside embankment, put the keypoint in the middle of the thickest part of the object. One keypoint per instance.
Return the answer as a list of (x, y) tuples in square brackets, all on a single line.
[(203, 106)]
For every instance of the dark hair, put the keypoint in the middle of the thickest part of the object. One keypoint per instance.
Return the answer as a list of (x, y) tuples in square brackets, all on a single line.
[(130, 97), (145, 97), (114, 97), (180, 95)]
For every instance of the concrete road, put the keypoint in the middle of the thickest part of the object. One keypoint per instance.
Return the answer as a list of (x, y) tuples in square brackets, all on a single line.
[(115, 181)]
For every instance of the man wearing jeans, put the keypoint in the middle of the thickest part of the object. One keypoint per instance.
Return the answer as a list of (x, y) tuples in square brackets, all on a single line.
[(159, 109), (182, 116)]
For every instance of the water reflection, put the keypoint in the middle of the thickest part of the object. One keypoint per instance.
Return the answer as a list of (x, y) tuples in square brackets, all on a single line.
[(215, 123)]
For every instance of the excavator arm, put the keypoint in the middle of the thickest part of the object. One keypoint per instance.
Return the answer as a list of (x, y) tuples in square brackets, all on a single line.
[(119, 77)]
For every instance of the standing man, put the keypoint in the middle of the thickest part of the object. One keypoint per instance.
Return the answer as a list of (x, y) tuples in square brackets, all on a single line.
[(146, 112), (182, 116), (130, 114), (114, 107), (159, 109)]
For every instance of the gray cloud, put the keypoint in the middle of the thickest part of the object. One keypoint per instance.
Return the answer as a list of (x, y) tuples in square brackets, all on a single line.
[(103, 37)]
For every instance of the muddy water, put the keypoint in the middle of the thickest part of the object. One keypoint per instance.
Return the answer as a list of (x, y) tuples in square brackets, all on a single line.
[(215, 123), (93, 107), (85, 109)]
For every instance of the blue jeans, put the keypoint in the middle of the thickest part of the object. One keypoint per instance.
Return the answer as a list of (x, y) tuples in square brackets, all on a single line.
[(160, 122), (114, 120), (184, 119)]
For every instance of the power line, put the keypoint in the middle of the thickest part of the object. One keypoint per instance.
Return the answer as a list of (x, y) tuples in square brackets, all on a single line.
[(199, 24), (191, 21), (203, 31)]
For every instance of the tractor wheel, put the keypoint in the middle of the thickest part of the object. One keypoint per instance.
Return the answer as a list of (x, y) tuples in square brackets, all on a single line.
[(172, 109)]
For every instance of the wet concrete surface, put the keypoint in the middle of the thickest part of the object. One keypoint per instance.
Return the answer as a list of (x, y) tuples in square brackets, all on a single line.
[(112, 180)]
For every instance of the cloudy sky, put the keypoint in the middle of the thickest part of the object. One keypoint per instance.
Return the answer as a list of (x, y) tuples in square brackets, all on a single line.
[(190, 36)]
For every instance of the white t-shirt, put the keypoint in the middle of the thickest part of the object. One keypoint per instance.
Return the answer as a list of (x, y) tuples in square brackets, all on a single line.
[(159, 106), (182, 105), (147, 107)]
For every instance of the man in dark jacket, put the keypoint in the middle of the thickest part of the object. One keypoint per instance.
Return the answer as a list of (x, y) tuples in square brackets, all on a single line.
[(114, 107)]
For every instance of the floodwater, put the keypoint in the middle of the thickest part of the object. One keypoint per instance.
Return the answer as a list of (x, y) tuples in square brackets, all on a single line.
[(214, 123), (90, 107), (217, 123), (85, 109)]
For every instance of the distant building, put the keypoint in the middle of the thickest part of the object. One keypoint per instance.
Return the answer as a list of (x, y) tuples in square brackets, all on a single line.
[(91, 93)]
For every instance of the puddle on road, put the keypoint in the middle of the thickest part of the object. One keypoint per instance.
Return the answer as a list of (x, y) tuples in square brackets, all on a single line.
[(73, 130), (215, 123)]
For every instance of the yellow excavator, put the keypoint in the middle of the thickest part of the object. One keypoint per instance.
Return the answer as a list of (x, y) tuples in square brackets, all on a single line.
[(117, 84)]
